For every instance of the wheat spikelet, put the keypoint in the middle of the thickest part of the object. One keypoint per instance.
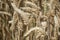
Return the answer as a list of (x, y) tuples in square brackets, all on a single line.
[(32, 4), (19, 11), (28, 9)]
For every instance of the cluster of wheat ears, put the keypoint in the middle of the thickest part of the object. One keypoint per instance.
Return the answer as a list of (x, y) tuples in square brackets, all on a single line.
[(29, 19)]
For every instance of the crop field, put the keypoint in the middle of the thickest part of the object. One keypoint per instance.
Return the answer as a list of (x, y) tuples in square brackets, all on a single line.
[(29, 19)]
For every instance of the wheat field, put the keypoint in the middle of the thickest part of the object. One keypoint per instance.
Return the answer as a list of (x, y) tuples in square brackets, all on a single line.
[(29, 19)]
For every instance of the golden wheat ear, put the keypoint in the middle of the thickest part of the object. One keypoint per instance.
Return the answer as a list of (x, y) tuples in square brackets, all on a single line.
[(28, 9), (33, 5), (19, 10)]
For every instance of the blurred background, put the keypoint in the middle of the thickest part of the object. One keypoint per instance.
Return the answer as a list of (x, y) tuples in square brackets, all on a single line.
[(29, 19)]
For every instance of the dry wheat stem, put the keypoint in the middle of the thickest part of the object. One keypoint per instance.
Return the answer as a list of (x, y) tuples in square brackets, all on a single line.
[(32, 29), (6, 13)]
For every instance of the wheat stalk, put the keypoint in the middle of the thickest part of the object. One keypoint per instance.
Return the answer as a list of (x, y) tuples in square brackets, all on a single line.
[(6, 13), (32, 29)]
